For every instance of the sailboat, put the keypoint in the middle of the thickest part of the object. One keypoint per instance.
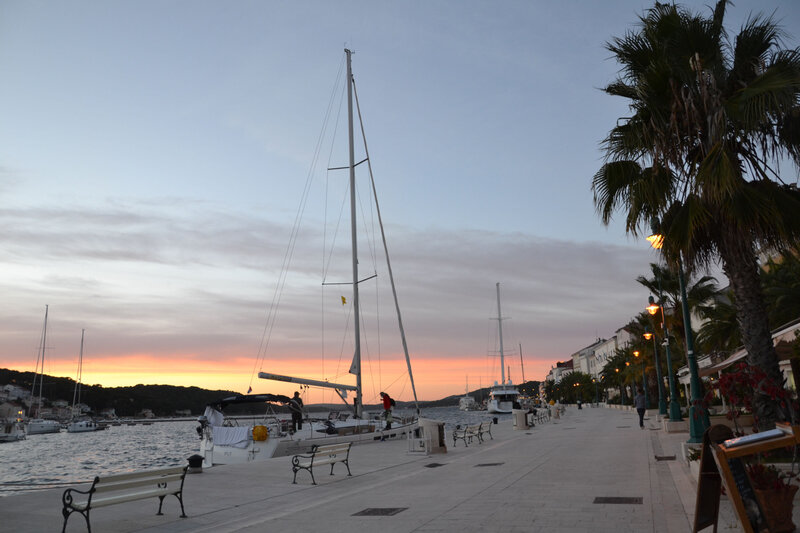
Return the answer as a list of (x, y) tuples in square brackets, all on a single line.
[(11, 428), (223, 441), (467, 402), (81, 424), (502, 396), (38, 425)]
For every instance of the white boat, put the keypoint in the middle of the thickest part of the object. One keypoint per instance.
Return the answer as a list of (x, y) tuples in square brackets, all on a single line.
[(11, 429), (80, 424), (502, 396), (467, 402), (38, 425), (230, 440), (85, 425)]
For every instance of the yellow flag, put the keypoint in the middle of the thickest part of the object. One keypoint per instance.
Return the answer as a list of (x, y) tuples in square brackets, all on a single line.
[(344, 300)]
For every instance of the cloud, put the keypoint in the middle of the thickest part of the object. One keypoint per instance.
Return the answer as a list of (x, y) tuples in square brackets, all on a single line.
[(196, 282)]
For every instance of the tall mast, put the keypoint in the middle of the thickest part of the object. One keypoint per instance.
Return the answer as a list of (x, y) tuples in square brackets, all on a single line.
[(521, 363), (500, 326), (44, 344), (353, 235), (76, 394)]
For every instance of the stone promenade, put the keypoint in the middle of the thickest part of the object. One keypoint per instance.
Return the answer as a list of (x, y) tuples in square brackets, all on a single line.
[(548, 478)]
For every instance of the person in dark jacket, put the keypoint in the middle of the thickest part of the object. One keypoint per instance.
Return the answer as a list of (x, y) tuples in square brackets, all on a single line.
[(638, 402), (296, 408)]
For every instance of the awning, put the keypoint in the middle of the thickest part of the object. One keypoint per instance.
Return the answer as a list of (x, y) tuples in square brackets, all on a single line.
[(781, 338), (722, 365)]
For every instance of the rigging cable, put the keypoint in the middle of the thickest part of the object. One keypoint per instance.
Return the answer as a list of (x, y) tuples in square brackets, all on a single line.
[(386, 250), (272, 310)]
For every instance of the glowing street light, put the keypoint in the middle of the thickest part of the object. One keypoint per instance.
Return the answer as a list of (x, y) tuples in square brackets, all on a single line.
[(662, 404), (644, 377), (698, 416), (674, 407)]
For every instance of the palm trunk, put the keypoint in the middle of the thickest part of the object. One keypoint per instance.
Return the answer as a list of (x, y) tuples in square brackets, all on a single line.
[(739, 264)]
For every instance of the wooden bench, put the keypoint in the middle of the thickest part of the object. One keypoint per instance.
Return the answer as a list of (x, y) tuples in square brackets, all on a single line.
[(329, 454), (110, 490), (466, 434), (485, 428)]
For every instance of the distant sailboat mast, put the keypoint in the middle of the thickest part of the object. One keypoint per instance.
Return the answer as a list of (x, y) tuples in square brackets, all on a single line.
[(500, 325), (41, 362), (76, 394), (521, 363)]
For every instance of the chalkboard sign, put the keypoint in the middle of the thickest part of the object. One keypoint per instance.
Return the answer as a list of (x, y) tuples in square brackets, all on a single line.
[(731, 469), (709, 482), (751, 507)]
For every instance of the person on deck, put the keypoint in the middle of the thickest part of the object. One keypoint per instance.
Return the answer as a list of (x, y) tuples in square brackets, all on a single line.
[(387, 409), (296, 408)]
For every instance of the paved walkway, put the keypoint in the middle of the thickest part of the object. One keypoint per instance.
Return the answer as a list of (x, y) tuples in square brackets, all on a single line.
[(543, 479)]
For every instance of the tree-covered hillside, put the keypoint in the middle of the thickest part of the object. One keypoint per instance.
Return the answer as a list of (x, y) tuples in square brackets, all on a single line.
[(163, 400)]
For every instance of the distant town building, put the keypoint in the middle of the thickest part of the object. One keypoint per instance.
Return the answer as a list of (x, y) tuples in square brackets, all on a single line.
[(11, 410)]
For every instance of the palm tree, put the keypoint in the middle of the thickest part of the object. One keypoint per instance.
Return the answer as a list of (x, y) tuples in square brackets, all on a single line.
[(664, 283), (711, 120), (782, 289), (720, 332)]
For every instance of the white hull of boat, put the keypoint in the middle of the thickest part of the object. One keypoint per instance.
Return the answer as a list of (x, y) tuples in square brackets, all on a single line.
[(84, 426), (11, 431), (468, 403), (301, 442), (502, 399), (495, 406), (38, 426)]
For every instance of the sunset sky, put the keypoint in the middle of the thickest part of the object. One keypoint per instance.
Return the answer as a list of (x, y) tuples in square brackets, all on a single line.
[(153, 156)]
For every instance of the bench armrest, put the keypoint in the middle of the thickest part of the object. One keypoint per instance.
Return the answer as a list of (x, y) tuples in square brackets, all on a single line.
[(296, 458), (67, 497)]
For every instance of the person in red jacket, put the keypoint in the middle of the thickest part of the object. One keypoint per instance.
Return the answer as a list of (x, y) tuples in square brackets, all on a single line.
[(387, 409)]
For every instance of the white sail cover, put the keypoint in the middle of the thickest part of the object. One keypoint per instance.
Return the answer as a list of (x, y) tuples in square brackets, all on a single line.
[(231, 436), (214, 417)]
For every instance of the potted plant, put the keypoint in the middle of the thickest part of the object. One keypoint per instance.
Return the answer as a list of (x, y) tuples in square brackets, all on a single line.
[(775, 492), (738, 387)]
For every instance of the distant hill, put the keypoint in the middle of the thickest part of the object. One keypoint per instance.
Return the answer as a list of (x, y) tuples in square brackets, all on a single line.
[(165, 400)]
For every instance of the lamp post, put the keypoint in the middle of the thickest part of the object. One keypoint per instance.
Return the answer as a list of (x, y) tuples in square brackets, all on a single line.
[(662, 404), (595, 390), (674, 407), (644, 377), (633, 378), (698, 416)]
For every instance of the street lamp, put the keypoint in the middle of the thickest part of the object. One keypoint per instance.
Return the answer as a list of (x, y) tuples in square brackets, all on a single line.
[(662, 405), (595, 390), (644, 377), (674, 407), (698, 416)]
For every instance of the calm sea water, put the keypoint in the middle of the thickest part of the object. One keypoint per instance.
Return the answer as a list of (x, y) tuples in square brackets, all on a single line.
[(58, 459)]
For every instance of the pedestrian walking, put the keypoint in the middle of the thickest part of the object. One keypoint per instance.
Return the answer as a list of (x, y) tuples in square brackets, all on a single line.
[(638, 402)]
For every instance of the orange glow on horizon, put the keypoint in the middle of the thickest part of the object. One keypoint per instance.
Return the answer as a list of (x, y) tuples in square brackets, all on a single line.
[(434, 377)]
